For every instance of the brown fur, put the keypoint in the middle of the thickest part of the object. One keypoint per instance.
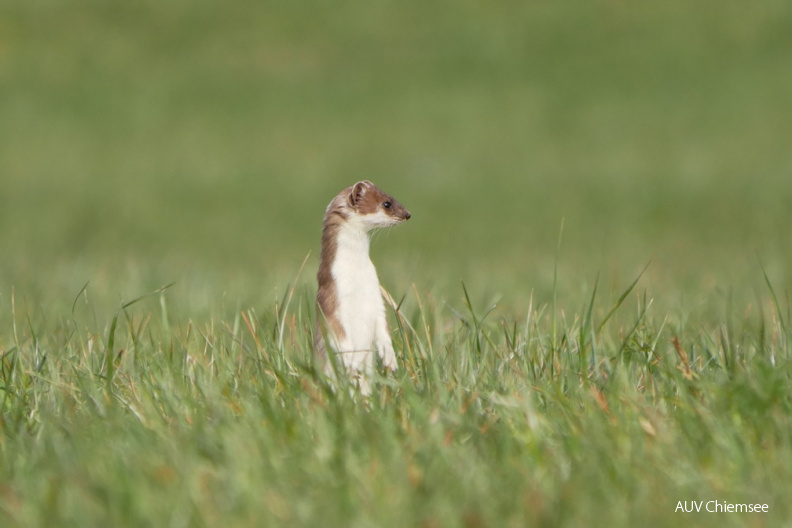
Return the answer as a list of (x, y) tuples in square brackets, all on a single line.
[(366, 198), (326, 298)]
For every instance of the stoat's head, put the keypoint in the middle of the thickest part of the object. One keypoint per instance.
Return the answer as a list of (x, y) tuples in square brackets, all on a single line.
[(375, 207)]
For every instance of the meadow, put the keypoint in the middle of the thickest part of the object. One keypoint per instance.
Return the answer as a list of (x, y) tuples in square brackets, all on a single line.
[(593, 313)]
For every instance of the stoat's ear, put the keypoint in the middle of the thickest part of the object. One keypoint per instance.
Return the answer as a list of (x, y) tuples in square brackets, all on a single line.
[(358, 192)]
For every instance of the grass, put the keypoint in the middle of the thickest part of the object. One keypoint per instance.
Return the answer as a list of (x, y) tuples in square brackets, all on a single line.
[(146, 144), (490, 421)]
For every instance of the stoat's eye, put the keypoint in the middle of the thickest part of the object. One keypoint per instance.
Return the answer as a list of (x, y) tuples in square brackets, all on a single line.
[(386, 205)]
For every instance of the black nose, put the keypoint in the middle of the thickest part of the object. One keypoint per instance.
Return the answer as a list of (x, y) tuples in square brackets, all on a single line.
[(407, 215)]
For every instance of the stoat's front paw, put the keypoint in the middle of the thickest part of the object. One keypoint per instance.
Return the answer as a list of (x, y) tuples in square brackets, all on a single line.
[(388, 357)]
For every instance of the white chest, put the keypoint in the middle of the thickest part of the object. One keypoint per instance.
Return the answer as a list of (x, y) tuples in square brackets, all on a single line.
[(360, 306)]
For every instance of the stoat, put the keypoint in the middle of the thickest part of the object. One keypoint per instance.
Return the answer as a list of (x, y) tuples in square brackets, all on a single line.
[(350, 308)]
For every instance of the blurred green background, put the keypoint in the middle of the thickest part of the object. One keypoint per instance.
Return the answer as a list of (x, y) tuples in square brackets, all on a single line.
[(146, 142)]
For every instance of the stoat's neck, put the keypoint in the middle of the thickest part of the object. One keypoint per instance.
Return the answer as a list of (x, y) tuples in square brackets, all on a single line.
[(352, 240)]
